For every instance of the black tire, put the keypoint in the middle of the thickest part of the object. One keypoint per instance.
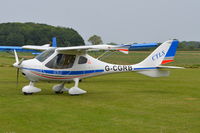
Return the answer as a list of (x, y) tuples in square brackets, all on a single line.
[(59, 92), (25, 93)]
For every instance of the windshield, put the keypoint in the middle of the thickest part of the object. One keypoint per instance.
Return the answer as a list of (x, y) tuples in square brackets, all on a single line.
[(44, 55)]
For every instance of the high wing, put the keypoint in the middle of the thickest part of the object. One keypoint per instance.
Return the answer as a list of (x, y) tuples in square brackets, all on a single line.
[(40, 48), (83, 49), (124, 48), (43, 47)]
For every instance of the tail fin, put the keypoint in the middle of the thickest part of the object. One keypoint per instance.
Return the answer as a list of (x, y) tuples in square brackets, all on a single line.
[(169, 57), (163, 54), (54, 43)]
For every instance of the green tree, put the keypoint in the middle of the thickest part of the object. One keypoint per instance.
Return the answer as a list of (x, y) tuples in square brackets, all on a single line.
[(37, 34), (15, 39), (94, 40)]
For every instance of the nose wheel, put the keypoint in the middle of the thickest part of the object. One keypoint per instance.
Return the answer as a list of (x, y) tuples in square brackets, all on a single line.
[(30, 89)]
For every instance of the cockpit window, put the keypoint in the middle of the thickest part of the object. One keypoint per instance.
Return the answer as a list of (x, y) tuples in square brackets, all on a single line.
[(82, 60), (61, 61), (44, 55)]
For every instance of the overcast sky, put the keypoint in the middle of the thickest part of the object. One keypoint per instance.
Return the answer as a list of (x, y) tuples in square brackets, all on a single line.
[(119, 21)]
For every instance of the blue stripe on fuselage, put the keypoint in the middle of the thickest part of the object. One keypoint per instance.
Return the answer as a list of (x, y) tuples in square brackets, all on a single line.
[(78, 72), (65, 72)]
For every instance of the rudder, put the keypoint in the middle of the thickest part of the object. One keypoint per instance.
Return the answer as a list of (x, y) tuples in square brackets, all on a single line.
[(169, 57)]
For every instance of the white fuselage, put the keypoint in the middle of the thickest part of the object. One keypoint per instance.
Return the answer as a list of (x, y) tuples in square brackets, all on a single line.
[(35, 70), (72, 63)]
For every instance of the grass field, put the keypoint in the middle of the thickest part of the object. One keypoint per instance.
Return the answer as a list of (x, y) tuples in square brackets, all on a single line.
[(117, 103)]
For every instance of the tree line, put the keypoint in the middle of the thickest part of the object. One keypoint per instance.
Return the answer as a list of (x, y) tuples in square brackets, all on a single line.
[(189, 45), (183, 46), (19, 34)]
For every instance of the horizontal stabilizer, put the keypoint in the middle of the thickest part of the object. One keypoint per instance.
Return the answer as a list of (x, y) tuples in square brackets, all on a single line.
[(171, 67), (155, 73)]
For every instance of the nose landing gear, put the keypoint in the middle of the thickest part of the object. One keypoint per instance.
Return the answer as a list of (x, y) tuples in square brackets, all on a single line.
[(30, 89)]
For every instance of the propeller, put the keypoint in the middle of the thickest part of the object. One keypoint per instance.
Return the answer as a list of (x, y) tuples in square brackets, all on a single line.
[(17, 77), (17, 64), (20, 62), (16, 60)]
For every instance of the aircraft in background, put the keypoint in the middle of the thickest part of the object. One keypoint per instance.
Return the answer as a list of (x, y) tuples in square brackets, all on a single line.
[(21, 49), (62, 64)]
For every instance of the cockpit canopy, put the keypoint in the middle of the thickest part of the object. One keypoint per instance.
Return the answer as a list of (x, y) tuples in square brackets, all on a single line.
[(44, 55), (60, 61)]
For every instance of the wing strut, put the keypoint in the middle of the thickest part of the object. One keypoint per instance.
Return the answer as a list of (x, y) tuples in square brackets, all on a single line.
[(104, 54)]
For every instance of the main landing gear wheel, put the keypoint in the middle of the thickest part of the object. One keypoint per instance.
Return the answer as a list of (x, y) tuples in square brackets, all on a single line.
[(76, 90), (59, 92), (60, 88)]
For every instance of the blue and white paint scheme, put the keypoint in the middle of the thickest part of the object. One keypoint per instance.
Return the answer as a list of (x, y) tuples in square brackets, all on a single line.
[(73, 63)]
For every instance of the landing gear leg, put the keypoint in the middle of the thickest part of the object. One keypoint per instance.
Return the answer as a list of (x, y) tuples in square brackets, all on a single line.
[(75, 90), (59, 89), (30, 89)]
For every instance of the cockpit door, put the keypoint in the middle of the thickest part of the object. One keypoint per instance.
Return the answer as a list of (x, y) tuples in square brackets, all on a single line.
[(61, 61)]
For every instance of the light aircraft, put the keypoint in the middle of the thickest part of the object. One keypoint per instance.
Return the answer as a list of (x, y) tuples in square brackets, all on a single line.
[(63, 64)]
